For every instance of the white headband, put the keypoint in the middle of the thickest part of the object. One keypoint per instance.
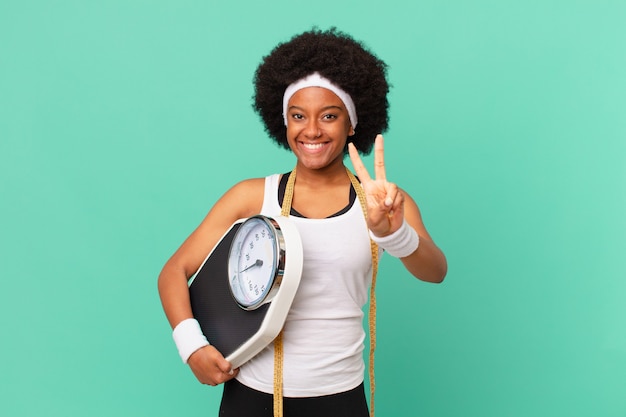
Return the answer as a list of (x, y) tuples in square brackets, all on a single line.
[(316, 80)]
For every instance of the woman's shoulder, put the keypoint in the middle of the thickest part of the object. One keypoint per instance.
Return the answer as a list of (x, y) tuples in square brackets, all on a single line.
[(254, 186), (244, 198), (249, 185)]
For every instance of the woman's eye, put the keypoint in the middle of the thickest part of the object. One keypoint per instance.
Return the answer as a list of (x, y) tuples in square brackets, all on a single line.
[(297, 116), (329, 117)]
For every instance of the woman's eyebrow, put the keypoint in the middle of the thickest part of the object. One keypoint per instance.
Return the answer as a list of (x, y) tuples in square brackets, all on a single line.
[(332, 106)]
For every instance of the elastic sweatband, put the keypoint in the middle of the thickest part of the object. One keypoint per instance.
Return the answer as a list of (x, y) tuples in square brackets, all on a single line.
[(400, 243), (188, 337), (316, 80)]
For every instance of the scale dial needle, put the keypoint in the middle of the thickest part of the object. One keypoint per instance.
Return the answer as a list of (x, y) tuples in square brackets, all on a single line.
[(258, 262)]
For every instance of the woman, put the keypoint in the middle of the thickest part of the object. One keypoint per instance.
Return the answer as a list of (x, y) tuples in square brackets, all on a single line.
[(321, 95)]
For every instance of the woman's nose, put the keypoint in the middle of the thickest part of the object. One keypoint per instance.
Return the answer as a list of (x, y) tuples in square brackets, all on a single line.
[(313, 131)]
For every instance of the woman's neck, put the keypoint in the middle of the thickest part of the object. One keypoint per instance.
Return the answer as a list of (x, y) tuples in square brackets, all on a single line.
[(332, 174)]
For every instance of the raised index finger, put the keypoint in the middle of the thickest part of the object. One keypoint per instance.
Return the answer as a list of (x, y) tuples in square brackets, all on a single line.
[(359, 168), (379, 158)]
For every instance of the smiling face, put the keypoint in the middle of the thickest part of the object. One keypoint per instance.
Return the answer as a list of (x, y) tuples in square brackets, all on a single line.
[(318, 126)]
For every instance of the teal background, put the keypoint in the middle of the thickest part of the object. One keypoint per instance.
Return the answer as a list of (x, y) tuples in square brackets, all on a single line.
[(122, 122)]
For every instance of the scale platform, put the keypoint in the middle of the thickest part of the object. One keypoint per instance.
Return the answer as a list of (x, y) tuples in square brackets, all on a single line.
[(237, 333)]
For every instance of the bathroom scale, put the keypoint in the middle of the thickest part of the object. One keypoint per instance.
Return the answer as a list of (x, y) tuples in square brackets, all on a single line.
[(243, 290)]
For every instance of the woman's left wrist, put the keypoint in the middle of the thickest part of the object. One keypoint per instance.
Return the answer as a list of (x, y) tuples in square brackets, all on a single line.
[(400, 243)]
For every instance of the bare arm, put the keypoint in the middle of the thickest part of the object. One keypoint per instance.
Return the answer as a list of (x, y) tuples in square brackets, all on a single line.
[(428, 262), (242, 200)]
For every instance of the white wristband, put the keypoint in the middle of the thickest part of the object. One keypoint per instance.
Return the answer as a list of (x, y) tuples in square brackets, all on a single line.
[(400, 243), (188, 337)]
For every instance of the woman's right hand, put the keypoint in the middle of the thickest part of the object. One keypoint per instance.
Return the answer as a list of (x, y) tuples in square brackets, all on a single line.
[(210, 367)]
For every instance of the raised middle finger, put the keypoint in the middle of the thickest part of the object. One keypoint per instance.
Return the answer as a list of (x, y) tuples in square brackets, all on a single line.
[(379, 159)]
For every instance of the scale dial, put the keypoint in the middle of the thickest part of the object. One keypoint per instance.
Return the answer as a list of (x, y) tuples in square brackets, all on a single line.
[(256, 262)]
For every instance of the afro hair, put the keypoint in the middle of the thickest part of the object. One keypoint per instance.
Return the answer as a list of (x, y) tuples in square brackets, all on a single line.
[(337, 57)]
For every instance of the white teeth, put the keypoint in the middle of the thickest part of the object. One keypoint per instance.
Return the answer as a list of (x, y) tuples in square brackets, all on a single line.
[(313, 145)]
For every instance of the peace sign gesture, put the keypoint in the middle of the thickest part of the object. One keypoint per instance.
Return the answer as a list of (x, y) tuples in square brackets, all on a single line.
[(385, 202)]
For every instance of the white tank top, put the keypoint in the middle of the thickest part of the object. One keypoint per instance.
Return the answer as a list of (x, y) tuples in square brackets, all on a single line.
[(323, 335)]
